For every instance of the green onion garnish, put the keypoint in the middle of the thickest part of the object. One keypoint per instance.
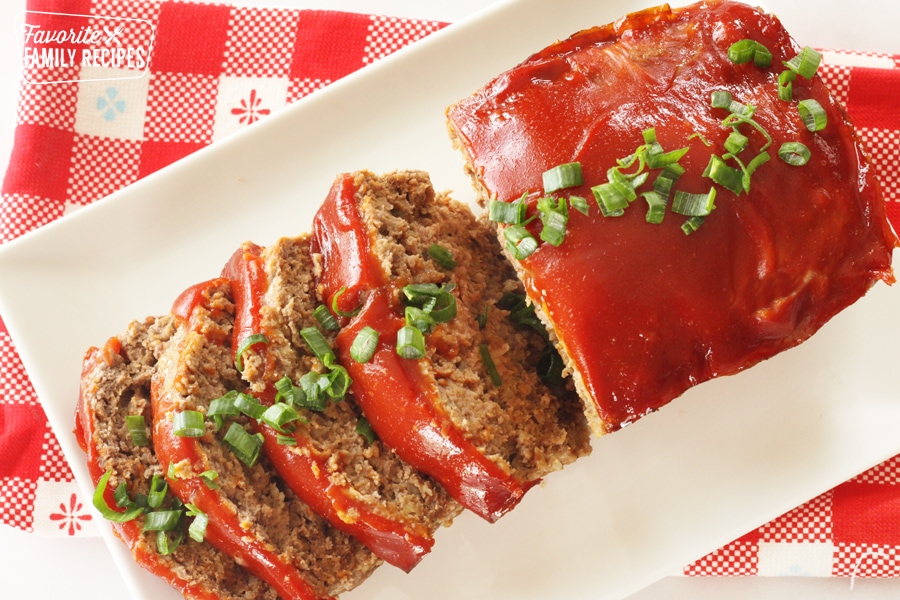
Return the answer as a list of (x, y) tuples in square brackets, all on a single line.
[(338, 379), (786, 85), (794, 153), (338, 311), (316, 342), (315, 388), (246, 344), (692, 225), (745, 51), (694, 205), (289, 393), (187, 423), (325, 318), (108, 513), (137, 429), (611, 200), (209, 478), (562, 176), (489, 365), (415, 317), (720, 99), (656, 207), (554, 217), (512, 213), (366, 342), (806, 63), (736, 142), (410, 343), (482, 317), (519, 242), (728, 177), (197, 529), (442, 256), (580, 204), (279, 415), (285, 440), (164, 546), (162, 520), (364, 428), (245, 446), (158, 490), (812, 114), (249, 405)]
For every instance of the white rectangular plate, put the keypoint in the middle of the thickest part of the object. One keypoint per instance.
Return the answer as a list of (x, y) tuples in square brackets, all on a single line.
[(725, 458)]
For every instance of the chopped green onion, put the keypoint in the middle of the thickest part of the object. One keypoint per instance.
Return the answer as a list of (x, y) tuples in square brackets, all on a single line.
[(187, 423), (316, 342), (209, 478), (658, 159), (197, 529), (410, 343), (325, 318), (162, 520), (562, 176), (489, 365), (158, 490), (759, 160), (786, 85), (721, 99), (137, 429), (244, 445), (482, 317), (694, 205), (366, 342), (285, 440), (736, 142), (338, 378), (364, 428), (702, 137), (580, 204), (109, 513), (166, 547), (794, 153), (249, 405), (246, 344), (519, 242), (338, 311), (279, 415), (692, 225), (743, 51), (444, 308), (610, 199), (806, 63), (656, 207), (812, 114), (512, 213), (289, 393), (554, 217), (418, 318), (666, 179), (442, 256), (728, 177), (222, 408), (121, 496), (315, 388), (521, 313), (762, 58)]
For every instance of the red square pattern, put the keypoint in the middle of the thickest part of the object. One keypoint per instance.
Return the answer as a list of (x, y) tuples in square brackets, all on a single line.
[(298, 88), (15, 387), (866, 560), (328, 44), (389, 34), (41, 163), (134, 36), (810, 522), (156, 155), (190, 38), (17, 502), (887, 472), (866, 513), (52, 104), (171, 97), (873, 98), (884, 147), (52, 15), (837, 80), (22, 428), (260, 42), (740, 557), (20, 213), (54, 466), (100, 166)]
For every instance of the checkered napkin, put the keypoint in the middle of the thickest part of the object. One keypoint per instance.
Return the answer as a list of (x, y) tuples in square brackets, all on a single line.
[(92, 122)]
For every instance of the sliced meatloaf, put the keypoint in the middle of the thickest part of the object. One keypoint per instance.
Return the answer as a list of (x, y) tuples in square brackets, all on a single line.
[(252, 514), (470, 409), (360, 485), (116, 384)]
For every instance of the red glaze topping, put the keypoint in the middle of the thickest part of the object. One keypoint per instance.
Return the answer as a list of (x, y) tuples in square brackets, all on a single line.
[(224, 531), (643, 310), (396, 397), (302, 466)]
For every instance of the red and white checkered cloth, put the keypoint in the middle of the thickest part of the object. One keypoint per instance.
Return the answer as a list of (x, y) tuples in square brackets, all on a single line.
[(215, 69)]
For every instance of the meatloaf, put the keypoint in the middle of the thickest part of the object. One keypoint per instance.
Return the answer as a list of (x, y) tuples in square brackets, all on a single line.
[(452, 383), (253, 515), (360, 485), (115, 385), (700, 202)]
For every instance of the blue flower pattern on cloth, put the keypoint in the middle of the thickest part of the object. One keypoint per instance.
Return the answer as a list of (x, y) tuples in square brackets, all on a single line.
[(109, 105)]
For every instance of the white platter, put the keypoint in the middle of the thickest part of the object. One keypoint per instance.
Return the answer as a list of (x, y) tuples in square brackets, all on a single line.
[(727, 457)]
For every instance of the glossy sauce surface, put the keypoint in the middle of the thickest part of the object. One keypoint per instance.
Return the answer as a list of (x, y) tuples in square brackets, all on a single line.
[(643, 310)]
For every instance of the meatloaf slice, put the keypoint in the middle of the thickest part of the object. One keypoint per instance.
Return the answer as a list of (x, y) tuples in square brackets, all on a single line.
[(472, 412), (360, 486), (116, 384), (252, 514)]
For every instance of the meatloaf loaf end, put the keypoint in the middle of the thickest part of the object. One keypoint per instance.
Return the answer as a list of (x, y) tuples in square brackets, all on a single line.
[(116, 384), (475, 394), (360, 485), (252, 514)]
